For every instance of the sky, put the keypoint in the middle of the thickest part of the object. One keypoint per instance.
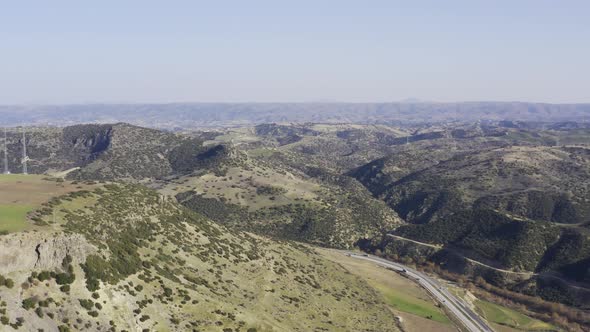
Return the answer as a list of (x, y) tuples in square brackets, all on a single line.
[(56, 52)]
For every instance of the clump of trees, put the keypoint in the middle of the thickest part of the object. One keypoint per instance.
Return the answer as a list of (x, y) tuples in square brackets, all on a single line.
[(270, 190), (6, 282)]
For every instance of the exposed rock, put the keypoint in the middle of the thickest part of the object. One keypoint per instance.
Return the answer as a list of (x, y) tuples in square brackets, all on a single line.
[(41, 251)]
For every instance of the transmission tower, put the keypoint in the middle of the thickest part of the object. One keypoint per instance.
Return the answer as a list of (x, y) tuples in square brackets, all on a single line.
[(24, 153), (6, 171)]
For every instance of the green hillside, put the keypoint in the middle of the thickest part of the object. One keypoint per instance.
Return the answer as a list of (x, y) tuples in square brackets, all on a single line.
[(151, 264)]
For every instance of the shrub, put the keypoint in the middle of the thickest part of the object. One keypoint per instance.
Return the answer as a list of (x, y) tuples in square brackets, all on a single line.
[(92, 285), (9, 283), (86, 304), (63, 328), (29, 303), (44, 275), (65, 278)]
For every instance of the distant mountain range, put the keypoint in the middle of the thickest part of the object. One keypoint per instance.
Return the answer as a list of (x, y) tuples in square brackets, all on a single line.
[(203, 115)]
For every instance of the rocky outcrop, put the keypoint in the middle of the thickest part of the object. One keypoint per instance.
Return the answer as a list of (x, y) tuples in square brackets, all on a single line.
[(41, 251)]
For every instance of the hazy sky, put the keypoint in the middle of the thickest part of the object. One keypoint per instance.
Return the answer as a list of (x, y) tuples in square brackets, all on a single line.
[(318, 50)]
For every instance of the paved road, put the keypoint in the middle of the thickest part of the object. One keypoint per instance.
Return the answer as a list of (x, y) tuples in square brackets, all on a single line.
[(462, 312)]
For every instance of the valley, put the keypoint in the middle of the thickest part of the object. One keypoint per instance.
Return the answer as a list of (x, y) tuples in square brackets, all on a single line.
[(143, 229), (295, 166)]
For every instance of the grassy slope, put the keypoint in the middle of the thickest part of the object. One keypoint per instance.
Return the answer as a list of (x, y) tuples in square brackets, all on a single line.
[(401, 294), (279, 201), (13, 217), (406, 301), (179, 271), (238, 186), (19, 194), (404, 296), (506, 316), (503, 318)]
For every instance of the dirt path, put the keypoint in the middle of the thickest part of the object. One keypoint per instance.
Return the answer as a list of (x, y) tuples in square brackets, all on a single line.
[(528, 274)]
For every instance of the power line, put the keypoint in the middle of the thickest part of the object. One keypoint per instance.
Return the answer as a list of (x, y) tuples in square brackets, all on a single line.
[(6, 171), (24, 153)]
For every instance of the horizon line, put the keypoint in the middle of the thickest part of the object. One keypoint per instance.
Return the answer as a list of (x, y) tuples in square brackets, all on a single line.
[(416, 102)]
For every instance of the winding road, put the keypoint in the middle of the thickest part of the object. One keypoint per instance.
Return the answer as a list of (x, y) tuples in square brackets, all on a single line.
[(468, 318), (527, 274)]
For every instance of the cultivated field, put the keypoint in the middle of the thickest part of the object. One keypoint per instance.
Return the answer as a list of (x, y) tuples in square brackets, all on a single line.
[(20, 194)]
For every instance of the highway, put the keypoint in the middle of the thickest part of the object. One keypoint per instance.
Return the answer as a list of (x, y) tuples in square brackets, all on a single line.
[(470, 320)]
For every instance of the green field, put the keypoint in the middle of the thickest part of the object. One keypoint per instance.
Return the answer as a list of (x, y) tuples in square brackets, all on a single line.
[(20, 194), (13, 217), (505, 316), (411, 304), (399, 293)]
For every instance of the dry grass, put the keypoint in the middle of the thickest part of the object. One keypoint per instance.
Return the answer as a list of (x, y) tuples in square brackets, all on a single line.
[(32, 189), (238, 186)]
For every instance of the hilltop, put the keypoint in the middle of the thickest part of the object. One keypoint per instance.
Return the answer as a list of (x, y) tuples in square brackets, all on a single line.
[(539, 183), (110, 151), (236, 187)]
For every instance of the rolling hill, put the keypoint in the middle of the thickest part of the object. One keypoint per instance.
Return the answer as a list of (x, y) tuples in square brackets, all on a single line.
[(110, 151), (118, 257), (539, 183), (503, 200), (520, 209)]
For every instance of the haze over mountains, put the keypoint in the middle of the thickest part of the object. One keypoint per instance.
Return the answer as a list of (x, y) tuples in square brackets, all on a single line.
[(192, 115), (253, 166)]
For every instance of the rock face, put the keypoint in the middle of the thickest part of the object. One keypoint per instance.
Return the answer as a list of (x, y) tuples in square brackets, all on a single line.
[(41, 251)]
